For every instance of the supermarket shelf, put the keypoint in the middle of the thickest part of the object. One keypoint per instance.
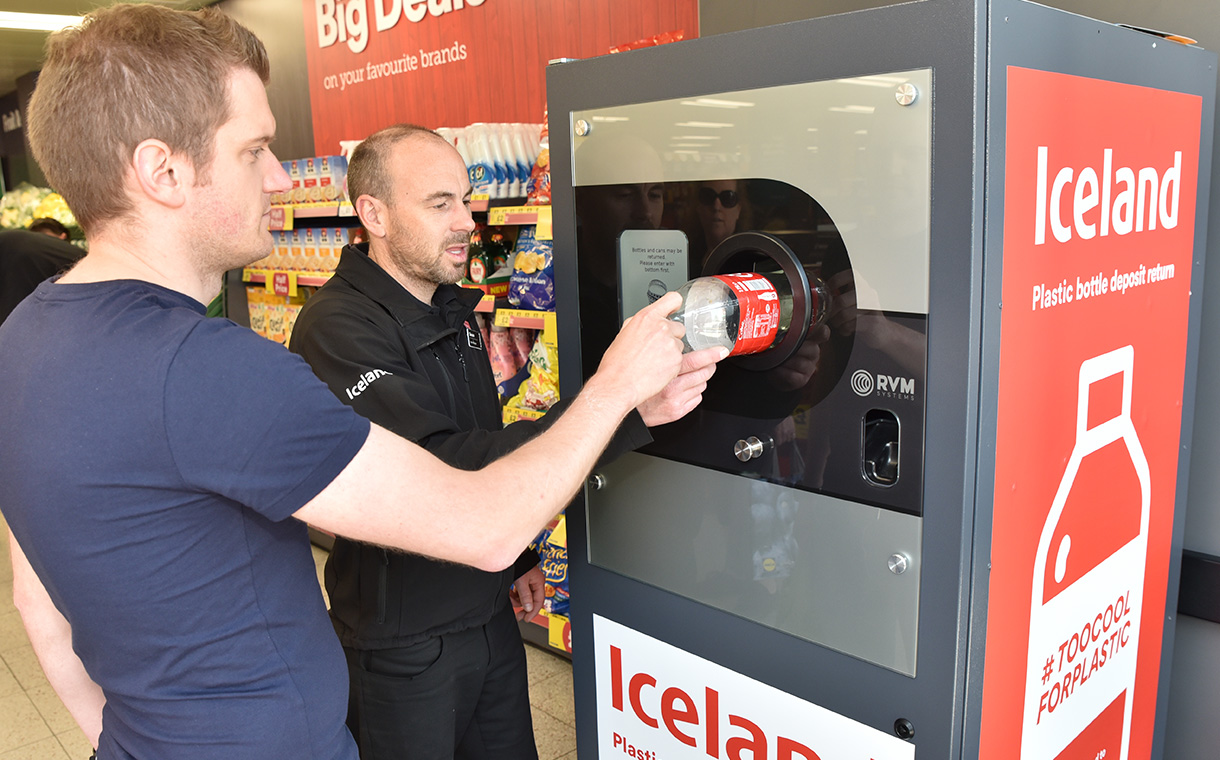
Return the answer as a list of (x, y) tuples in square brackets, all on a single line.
[(481, 203), (512, 414), (523, 215), (283, 217), (285, 283), (527, 318), (536, 633), (307, 279), (335, 209)]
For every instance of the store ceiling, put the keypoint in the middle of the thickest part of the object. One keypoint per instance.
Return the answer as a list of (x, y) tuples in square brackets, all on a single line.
[(21, 51)]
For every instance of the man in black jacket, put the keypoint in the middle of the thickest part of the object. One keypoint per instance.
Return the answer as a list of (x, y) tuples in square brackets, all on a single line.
[(436, 664), (26, 259)]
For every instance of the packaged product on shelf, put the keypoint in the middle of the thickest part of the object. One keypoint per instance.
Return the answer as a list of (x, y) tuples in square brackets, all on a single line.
[(324, 250), (275, 322), (499, 250), (309, 177), (503, 180), (309, 258), (513, 176), (538, 189), (338, 239), (477, 266), (297, 194), (521, 155), (540, 390), (532, 134), (533, 280), (554, 558), (484, 328), (297, 244), (522, 339), (292, 309), (500, 353), (509, 387), (282, 256), (256, 304), (457, 138), (334, 178), (482, 168)]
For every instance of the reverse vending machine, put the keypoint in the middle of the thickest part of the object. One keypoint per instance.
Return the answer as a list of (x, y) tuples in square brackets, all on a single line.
[(938, 514)]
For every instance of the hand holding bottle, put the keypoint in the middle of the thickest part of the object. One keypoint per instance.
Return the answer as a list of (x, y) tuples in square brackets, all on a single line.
[(685, 391), (644, 357)]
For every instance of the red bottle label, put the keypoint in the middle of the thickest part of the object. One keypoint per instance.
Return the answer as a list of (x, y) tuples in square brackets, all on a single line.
[(757, 311), (478, 272)]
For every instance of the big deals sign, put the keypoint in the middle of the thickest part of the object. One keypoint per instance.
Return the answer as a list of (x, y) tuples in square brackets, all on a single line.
[(450, 63), (1099, 228)]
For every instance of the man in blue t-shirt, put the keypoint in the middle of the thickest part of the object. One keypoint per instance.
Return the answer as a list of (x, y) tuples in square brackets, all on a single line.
[(153, 457)]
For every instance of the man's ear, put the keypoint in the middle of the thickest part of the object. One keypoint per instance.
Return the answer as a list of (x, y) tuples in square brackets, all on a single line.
[(372, 213), (160, 174)]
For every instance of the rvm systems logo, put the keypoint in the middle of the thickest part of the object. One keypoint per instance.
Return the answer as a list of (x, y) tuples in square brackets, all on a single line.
[(864, 383)]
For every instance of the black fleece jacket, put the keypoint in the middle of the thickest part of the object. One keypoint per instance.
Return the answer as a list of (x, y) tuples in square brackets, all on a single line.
[(421, 371)]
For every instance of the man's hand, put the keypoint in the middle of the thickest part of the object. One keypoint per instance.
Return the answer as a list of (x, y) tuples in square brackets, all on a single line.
[(527, 593), (645, 356), (685, 391)]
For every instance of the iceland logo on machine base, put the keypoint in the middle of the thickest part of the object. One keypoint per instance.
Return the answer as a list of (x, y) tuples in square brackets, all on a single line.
[(885, 386)]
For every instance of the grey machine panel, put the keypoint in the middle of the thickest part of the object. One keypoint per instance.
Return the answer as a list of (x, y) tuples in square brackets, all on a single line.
[(845, 161), (800, 562)]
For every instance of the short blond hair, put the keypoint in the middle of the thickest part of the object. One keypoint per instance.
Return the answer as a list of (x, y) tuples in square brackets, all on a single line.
[(129, 73)]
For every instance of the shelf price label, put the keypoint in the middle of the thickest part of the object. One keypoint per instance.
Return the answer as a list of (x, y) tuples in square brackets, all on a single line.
[(282, 283), (559, 632), (479, 201), (537, 215), (543, 230), (281, 218)]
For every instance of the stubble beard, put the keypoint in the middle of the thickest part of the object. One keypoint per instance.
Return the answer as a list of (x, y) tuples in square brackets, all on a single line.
[(413, 257)]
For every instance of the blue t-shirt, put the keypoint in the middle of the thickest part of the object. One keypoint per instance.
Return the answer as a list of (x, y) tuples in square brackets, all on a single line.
[(151, 460)]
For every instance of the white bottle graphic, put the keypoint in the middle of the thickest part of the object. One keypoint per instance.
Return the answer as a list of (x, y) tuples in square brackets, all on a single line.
[(1084, 640)]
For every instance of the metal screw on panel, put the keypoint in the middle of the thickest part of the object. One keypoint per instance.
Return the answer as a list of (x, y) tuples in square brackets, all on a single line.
[(597, 481), (750, 448), (904, 729), (906, 94), (898, 563), (582, 127)]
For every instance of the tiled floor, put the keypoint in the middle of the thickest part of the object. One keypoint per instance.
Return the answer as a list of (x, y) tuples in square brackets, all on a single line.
[(35, 726)]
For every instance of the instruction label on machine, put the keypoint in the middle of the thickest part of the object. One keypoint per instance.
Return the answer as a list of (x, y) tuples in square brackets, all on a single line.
[(1099, 229), (658, 702), (650, 264)]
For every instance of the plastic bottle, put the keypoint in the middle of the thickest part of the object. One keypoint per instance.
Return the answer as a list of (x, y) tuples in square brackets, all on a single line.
[(459, 142), (482, 167), (477, 266), (491, 152), (512, 170), (533, 134), (746, 312), (525, 162), (497, 249)]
